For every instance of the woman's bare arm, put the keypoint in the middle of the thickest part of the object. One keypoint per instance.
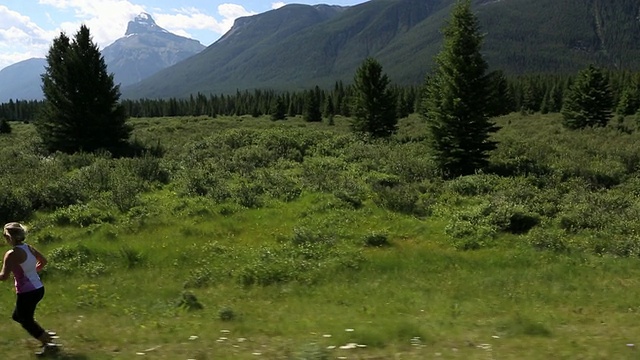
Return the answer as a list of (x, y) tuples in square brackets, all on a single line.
[(7, 265)]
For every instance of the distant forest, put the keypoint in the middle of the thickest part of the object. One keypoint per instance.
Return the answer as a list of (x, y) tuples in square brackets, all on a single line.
[(531, 93)]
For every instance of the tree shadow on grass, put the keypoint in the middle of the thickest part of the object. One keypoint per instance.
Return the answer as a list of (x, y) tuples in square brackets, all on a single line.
[(67, 356)]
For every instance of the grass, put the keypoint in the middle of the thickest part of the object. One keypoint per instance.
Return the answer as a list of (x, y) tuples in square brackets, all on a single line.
[(413, 300), (180, 277)]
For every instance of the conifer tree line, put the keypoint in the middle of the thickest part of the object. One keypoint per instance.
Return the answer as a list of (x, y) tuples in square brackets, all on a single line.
[(82, 110), (530, 93)]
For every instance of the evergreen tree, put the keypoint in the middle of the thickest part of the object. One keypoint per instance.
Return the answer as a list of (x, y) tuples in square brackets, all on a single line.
[(279, 109), (555, 99), (629, 102), (373, 103), (501, 100), (455, 104), (5, 128), (329, 108), (311, 112), (81, 110), (588, 101)]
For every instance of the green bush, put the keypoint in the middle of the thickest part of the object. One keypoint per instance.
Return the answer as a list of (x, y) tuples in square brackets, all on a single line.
[(279, 184), (308, 262), (510, 217), (227, 314), (549, 239), (615, 245), (207, 180), (376, 240), (247, 193), (81, 215), (188, 301), (132, 258), (14, 204), (71, 258), (59, 193), (471, 229), (474, 185), (199, 278), (402, 198), (350, 189), (320, 173)]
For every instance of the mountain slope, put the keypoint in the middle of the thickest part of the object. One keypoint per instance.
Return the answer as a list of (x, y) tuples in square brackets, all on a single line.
[(274, 50), (146, 49), (22, 80)]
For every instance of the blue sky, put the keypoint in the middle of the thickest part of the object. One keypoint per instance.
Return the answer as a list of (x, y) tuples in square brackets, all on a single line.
[(27, 27)]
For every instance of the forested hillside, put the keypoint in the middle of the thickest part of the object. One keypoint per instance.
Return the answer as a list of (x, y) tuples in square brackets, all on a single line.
[(521, 37)]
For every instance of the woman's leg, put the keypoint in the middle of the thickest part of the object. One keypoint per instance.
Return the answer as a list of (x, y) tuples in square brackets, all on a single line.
[(25, 311)]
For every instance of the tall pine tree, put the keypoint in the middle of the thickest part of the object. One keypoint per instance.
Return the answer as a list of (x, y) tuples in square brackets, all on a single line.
[(589, 101), (81, 111), (373, 103), (455, 103), (629, 102), (311, 112)]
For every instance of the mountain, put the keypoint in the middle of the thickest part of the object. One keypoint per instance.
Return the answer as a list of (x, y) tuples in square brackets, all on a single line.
[(300, 46), (146, 49), (22, 80)]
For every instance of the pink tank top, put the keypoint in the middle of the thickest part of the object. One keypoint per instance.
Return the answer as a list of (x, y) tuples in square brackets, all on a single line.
[(25, 274)]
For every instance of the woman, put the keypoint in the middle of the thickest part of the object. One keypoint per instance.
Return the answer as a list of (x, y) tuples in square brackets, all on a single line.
[(24, 261)]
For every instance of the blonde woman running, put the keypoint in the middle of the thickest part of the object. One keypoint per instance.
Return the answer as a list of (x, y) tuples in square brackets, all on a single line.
[(24, 261)]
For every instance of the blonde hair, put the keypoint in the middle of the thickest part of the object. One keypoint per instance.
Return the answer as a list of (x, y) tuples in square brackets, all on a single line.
[(16, 231)]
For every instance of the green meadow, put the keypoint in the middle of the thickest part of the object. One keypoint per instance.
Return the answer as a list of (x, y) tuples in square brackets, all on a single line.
[(244, 238)]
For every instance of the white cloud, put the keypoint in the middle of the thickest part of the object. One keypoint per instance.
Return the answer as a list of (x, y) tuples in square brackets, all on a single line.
[(230, 12), (107, 19), (277, 5), (20, 38)]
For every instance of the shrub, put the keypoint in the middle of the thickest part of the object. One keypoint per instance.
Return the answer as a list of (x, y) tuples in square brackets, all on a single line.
[(246, 193), (81, 215), (350, 189), (226, 314), (549, 239), (14, 204), (148, 168), (125, 188), (411, 163), (310, 235), (320, 173), (208, 180), (510, 217), (5, 127), (376, 240), (471, 228), (402, 198), (279, 184), (305, 263), (284, 144), (70, 258), (132, 258), (248, 159), (59, 193), (46, 237), (474, 185), (616, 245), (199, 278), (595, 210), (188, 301)]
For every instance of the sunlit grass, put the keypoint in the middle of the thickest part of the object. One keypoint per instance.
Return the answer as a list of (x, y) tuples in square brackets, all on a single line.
[(414, 299), (183, 277)]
